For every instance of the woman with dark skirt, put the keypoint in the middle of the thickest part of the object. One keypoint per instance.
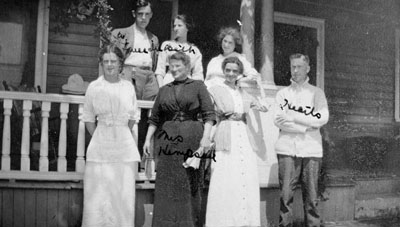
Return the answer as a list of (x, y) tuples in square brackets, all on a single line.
[(179, 135)]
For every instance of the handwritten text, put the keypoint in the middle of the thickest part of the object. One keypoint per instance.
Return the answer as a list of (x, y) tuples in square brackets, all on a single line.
[(306, 111)]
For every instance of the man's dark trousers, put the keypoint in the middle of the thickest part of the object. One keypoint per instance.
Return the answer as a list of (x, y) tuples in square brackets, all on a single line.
[(294, 170)]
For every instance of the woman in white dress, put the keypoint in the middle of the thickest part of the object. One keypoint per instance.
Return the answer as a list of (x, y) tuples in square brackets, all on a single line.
[(234, 194), (109, 181), (182, 25), (231, 46)]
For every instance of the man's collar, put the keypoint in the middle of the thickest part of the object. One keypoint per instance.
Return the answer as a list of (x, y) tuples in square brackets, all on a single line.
[(295, 84), (136, 29)]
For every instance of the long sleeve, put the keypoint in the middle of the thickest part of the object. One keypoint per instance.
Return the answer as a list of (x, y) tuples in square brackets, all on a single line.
[(155, 118), (319, 116), (286, 126), (206, 104)]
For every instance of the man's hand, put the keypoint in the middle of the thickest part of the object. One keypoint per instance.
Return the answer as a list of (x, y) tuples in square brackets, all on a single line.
[(282, 118)]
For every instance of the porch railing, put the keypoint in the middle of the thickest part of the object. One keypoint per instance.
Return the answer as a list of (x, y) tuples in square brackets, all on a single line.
[(45, 106)]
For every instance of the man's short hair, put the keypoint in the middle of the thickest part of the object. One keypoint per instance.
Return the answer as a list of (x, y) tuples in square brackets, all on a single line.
[(141, 3), (180, 56), (305, 58)]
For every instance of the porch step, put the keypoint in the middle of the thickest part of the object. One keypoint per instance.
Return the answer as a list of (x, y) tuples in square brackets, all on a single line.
[(378, 185), (377, 206)]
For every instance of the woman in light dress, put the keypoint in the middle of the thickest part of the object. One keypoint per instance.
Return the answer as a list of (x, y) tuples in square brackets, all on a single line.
[(234, 194), (109, 180), (231, 46), (182, 25)]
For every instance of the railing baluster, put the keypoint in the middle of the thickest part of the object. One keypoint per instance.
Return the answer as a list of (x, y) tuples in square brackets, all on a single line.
[(62, 142), (45, 141), (25, 143), (5, 157), (44, 138), (80, 147)]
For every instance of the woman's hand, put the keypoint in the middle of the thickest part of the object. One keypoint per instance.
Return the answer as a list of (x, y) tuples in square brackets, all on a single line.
[(146, 148), (205, 144), (262, 105)]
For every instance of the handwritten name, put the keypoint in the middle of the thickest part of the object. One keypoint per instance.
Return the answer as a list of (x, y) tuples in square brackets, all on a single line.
[(306, 111), (175, 139), (179, 48), (186, 154)]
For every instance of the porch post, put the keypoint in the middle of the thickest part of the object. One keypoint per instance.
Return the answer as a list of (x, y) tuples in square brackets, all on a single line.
[(42, 38), (174, 13), (267, 42), (247, 28)]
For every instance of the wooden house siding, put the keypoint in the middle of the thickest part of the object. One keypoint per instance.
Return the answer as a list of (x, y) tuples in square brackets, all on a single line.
[(52, 204), (359, 63), (73, 52)]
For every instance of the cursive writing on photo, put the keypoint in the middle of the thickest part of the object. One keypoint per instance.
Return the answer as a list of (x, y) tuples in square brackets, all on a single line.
[(186, 154), (179, 48), (175, 139), (306, 111)]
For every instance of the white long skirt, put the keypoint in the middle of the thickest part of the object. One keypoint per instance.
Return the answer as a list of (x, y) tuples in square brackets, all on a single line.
[(234, 191), (109, 194)]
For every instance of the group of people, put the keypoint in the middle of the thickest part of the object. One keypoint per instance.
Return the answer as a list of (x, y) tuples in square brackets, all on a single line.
[(193, 119)]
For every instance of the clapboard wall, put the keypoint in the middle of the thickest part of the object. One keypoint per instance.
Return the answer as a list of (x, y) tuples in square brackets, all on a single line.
[(359, 62), (72, 51), (60, 204)]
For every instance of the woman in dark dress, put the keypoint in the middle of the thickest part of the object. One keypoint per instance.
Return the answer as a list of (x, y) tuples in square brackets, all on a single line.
[(178, 135)]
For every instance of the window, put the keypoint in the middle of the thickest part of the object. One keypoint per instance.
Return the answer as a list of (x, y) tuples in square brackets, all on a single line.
[(292, 34)]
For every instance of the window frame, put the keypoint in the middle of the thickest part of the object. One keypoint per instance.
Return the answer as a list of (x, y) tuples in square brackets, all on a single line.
[(311, 22)]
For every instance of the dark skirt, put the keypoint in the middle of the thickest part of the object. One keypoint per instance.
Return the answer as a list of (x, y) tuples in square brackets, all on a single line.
[(177, 197)]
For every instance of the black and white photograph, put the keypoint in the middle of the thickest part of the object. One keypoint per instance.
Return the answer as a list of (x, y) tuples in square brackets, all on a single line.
[(199, 113)]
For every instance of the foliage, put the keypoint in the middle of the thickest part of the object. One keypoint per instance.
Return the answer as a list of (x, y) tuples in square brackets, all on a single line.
[(65, 11)]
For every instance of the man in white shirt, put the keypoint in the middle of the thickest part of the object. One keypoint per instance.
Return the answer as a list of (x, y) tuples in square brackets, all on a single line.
[(302, 110), (140, 47)]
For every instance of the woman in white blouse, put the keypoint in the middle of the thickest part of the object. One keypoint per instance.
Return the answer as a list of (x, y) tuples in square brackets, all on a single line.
[(109, 181), (182, 25), (231, 46)]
